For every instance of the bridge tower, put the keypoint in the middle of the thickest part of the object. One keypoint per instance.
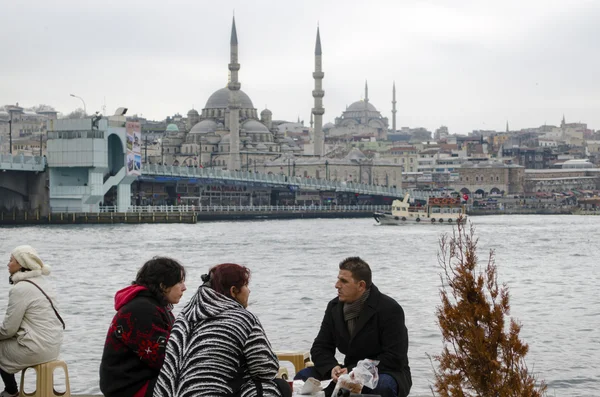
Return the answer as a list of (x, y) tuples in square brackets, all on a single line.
[(86, 157)]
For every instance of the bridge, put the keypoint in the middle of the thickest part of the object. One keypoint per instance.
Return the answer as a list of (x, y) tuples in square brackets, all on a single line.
[(9, 162), (23, 182), (278, 180)]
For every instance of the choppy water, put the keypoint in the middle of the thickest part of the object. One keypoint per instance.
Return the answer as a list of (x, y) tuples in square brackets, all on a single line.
[(549, 263)]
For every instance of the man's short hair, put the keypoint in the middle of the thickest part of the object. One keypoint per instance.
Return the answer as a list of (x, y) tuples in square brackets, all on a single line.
[(360, 269)]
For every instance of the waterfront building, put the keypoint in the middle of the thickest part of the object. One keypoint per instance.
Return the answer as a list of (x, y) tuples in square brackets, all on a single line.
[(28, 129), (490, 177)]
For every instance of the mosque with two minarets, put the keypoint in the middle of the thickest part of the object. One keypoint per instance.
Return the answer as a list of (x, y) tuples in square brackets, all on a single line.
[(229, 133)]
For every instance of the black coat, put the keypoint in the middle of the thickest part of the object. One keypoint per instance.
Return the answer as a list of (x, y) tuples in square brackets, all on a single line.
[(380, 334)]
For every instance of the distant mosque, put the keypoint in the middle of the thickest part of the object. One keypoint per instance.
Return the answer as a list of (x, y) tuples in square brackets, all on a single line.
[(229, 133), (361, 120)]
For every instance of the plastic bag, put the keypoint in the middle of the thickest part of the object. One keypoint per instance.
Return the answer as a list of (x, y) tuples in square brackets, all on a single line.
[(364, 374)]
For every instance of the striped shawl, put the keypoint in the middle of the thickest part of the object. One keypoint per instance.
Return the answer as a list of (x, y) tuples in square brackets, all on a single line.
[(217, 346)]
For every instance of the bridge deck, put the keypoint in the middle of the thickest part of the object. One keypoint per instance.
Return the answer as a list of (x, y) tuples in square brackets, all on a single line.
[(22, 163)]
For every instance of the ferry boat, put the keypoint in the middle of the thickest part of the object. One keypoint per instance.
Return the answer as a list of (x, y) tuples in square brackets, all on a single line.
[(437, 210)]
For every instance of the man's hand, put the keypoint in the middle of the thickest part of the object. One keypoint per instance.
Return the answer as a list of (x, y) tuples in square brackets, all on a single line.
[(337, 371)]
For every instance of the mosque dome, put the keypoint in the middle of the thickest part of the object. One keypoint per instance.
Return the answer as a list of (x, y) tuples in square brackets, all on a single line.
[(266, 112), (203, 127), (226, 138), (360, 106), (328, 126), (220, 100), (356, 155), (213, 138), (261, 146), (172, 128), (254, 126), (193, 112)]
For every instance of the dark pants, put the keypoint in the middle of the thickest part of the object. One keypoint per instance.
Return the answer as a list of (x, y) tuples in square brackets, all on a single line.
[(386, 386), (10, 382)]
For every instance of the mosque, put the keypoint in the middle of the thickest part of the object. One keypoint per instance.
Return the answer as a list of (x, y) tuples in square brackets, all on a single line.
[(360, 120), (230, 134)]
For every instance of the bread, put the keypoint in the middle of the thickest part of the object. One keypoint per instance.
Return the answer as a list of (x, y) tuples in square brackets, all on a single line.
[(350, 384)]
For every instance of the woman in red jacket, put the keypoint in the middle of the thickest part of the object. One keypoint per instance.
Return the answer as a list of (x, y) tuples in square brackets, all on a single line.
[(135, 344)]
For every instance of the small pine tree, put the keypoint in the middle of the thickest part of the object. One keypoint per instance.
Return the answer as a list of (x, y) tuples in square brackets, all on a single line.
[(481, 357)]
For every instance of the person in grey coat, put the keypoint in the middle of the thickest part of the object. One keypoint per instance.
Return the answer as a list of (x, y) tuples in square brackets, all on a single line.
[(32, 330)]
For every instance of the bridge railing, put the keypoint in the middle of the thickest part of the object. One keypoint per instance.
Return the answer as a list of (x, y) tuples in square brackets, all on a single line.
[(249, 208), (20, 162), (279, 179)]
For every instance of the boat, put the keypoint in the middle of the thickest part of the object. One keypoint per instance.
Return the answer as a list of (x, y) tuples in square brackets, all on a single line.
[(444, 210)]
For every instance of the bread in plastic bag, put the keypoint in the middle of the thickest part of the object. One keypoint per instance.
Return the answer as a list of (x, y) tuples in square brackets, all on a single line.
[(364, 374)]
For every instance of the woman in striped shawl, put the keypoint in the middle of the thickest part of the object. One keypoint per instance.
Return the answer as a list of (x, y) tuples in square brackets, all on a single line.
[(217, 347)]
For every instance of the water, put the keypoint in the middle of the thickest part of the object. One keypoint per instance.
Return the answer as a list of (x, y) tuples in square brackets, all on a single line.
[(548, 262)]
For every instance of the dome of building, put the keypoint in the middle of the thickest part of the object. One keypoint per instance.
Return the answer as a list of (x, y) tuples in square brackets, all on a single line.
[(261, 146), (192, 112), (266, 112), (213, 138), (172, 128), (328, 126), (360, 106), (254, 126), (356, 155), (220, 100), (226, 138), (204, 127)]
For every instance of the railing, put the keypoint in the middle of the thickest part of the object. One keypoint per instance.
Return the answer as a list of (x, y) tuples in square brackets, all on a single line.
[(279, 179), (22, 163), (250, 208)]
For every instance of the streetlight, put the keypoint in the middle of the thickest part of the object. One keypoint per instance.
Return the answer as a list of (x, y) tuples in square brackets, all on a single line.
[(327, 169), (10, 131), (84, 109)]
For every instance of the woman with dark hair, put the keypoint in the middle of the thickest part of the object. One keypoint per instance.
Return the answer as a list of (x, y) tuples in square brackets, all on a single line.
[(135, 344), (32, 330), (217, 347)]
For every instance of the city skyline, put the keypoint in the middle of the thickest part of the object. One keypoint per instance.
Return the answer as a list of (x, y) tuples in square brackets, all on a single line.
[(468, 67)]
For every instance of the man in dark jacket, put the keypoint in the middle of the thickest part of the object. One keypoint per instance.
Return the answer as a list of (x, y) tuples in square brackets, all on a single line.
[(362, 323)]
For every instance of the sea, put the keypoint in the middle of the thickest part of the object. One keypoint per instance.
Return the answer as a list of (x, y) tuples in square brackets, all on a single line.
[(549, 264)]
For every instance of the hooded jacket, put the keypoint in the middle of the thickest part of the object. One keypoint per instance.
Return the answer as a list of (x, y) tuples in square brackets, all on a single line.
[(135, 343), (31, 333), (217, 348)]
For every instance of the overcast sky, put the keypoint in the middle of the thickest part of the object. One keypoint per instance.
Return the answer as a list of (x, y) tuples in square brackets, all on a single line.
[(466, 64)]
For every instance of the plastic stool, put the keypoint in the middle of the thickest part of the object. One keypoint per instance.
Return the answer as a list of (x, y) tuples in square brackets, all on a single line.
[(300, 359), (44, 383)]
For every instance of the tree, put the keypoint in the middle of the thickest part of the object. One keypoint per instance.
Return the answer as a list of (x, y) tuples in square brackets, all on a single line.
[(76, 114), (481, 356), (41, 108)]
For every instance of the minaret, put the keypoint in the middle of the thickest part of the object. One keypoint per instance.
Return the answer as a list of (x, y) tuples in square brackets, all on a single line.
[(366, 91), (507, 130), (394, 108), (318, 94), (234, 106), (311, 120)]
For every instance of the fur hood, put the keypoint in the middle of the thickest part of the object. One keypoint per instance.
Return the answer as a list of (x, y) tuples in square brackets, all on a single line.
[(20, 276)]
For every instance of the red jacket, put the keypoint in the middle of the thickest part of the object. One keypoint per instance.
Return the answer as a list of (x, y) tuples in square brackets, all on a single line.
[(134, 350)]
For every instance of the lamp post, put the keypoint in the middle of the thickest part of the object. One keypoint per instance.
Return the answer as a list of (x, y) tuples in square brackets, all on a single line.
[(289, 166), (84, 108), (10, 132), (327, 169), (294, 168), (359, 171)]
